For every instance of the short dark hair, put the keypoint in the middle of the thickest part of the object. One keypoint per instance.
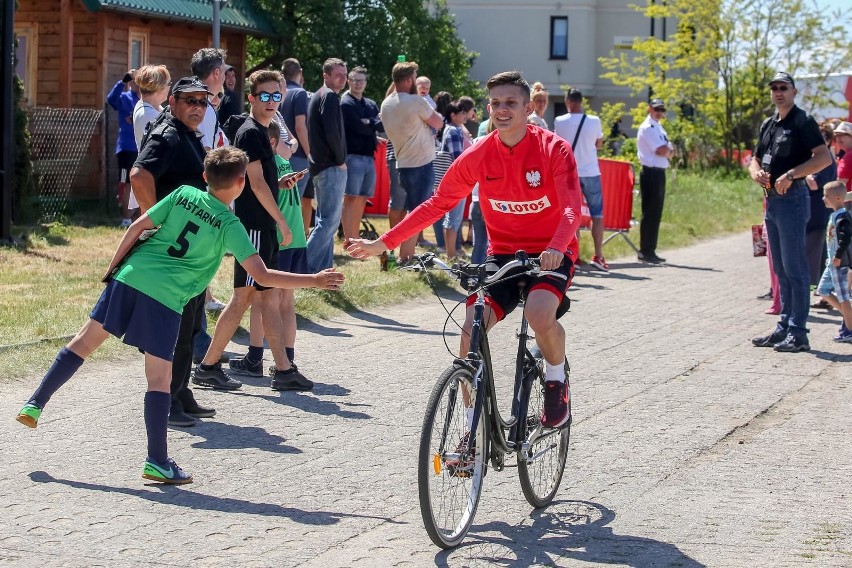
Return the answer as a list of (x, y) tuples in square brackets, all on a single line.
[(574, 95), (224, 166), (509, 78), (291, 68), (466, 104), (263, 76), (358, 69), (331, 63), (403, 70), (206, 60), (274, 129), (452, 108)]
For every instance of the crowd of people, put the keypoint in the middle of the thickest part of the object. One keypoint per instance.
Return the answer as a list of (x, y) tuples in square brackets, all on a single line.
[(205, 176)]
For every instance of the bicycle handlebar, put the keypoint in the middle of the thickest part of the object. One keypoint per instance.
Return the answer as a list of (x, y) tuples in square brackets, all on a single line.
[(472, 275)]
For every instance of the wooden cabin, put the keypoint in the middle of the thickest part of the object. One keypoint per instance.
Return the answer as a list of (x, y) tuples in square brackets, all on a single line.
[(71, 53)]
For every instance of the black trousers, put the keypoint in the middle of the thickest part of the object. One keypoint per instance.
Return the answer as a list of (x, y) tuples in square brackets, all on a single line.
[(652, 187), (190, 324)]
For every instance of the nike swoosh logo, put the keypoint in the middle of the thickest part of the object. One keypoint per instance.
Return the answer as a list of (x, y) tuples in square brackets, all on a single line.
[(489, 178), (166, 472)]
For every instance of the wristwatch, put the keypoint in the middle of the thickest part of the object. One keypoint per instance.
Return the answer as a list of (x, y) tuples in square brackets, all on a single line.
[(789, 175)]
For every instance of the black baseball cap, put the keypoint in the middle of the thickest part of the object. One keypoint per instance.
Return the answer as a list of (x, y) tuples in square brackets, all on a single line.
[(782, 77), (657, 103), (190, 85)]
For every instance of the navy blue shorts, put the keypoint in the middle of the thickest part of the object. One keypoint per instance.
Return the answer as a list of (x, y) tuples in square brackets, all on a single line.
[(138, 320), (294, 260)]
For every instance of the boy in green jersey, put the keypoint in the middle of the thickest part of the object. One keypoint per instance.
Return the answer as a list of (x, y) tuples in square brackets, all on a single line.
[(149, 284)]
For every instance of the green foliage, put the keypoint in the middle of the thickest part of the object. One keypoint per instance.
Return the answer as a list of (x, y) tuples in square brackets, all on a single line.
[(370, 33), (24, 182), (713, 68)]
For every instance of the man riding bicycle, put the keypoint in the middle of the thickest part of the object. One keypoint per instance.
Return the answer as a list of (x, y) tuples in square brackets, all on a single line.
[(530, 196)]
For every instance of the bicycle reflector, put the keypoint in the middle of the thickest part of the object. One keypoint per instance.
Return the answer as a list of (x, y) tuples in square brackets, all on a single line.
[(436, 464)]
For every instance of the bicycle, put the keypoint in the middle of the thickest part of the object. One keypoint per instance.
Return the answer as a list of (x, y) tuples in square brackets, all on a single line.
[(452, 462)]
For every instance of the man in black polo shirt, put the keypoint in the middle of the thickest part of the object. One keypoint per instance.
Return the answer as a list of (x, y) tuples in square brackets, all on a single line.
[(172, 156), (789, 147), (360, 123)]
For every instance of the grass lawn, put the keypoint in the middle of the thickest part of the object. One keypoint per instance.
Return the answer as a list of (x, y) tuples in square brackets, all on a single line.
[(49, 283)]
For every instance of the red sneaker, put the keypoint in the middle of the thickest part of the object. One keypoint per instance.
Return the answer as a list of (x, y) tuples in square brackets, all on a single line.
[(600, 263), (556, 411)]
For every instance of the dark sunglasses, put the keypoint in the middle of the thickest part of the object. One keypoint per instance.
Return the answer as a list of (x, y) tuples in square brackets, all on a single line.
[(265, 97), (660, 109), (192, 101), (781, 88)]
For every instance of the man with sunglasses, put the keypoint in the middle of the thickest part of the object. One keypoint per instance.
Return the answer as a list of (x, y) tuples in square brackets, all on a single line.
[(173, 156), (789, 147), (208, 64), (654, 149)]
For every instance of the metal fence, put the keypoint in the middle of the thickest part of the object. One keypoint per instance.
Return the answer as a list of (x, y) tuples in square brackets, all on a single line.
[(60, 142)]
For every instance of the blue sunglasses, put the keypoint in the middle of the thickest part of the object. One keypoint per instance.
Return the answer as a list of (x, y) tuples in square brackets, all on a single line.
[(265, 97)]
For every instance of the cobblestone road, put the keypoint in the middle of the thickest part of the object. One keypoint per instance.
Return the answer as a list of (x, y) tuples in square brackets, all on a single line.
[(689, 447)]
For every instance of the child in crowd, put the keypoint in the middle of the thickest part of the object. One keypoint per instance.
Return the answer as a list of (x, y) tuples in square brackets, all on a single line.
[(834, 284), (291, 258), (149, 284)]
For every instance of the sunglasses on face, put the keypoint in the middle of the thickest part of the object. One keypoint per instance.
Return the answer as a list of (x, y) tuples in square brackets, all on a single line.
[(192, 101), (781, 88), (265, 97), (658, 109)]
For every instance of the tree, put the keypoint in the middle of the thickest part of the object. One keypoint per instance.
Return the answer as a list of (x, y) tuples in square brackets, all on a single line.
[(371, 33), (713, 70)]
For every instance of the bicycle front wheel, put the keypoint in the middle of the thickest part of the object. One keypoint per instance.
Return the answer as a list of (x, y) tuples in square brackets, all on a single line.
[(449, 478), (540, 471)]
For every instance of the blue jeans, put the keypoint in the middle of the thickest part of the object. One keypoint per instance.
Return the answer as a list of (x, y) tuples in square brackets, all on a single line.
[(298, 164), (329, 185), (786, 218), (417, 183), (360, 175)]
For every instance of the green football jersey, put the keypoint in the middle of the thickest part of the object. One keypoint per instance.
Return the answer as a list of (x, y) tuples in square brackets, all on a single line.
[(290, 205), (178, 261)]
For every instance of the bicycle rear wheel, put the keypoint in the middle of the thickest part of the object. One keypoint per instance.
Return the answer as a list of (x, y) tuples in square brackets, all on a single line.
[(541, 473), (449, 480)]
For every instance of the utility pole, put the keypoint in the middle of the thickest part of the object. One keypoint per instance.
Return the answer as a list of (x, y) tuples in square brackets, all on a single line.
[(217, 24), (7, 119)]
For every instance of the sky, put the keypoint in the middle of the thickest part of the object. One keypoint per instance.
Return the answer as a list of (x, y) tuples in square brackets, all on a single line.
[(831, 5)]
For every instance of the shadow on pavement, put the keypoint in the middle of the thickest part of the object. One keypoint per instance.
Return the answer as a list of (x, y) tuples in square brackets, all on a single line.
[(826, 356), (181, 496), (230, 437), (575, 530)]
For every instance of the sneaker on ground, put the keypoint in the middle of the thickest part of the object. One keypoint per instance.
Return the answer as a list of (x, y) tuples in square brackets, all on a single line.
[(168, 472), (198, 411), (845, 336), (214, 377), (600, 263), (246, 366), (793, 344), (125, 223), (291, 379), (223, 358), (214, 305), (556, 411), (650, 258), (29, 415), (426, 244), (770, 340), (178, 417)]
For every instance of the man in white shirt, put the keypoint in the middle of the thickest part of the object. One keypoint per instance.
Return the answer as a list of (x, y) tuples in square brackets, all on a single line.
[(208, 64), (585, 135), (654, 151), (408, 120)]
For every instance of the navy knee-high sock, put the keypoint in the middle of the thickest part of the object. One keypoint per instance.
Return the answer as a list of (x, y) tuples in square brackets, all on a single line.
[(255, 353), (291, 353), (64, 366), (157, 406)]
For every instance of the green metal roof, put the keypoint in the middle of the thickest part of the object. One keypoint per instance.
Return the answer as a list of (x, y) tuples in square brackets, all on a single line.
[(235, 14)]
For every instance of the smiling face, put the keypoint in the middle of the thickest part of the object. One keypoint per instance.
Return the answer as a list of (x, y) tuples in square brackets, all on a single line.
[(189, 108), (231, 79), (357, 84), (509, 106), (336, 79)]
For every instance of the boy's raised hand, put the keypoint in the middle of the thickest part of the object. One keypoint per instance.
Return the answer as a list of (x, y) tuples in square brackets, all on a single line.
[(329, 279)]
